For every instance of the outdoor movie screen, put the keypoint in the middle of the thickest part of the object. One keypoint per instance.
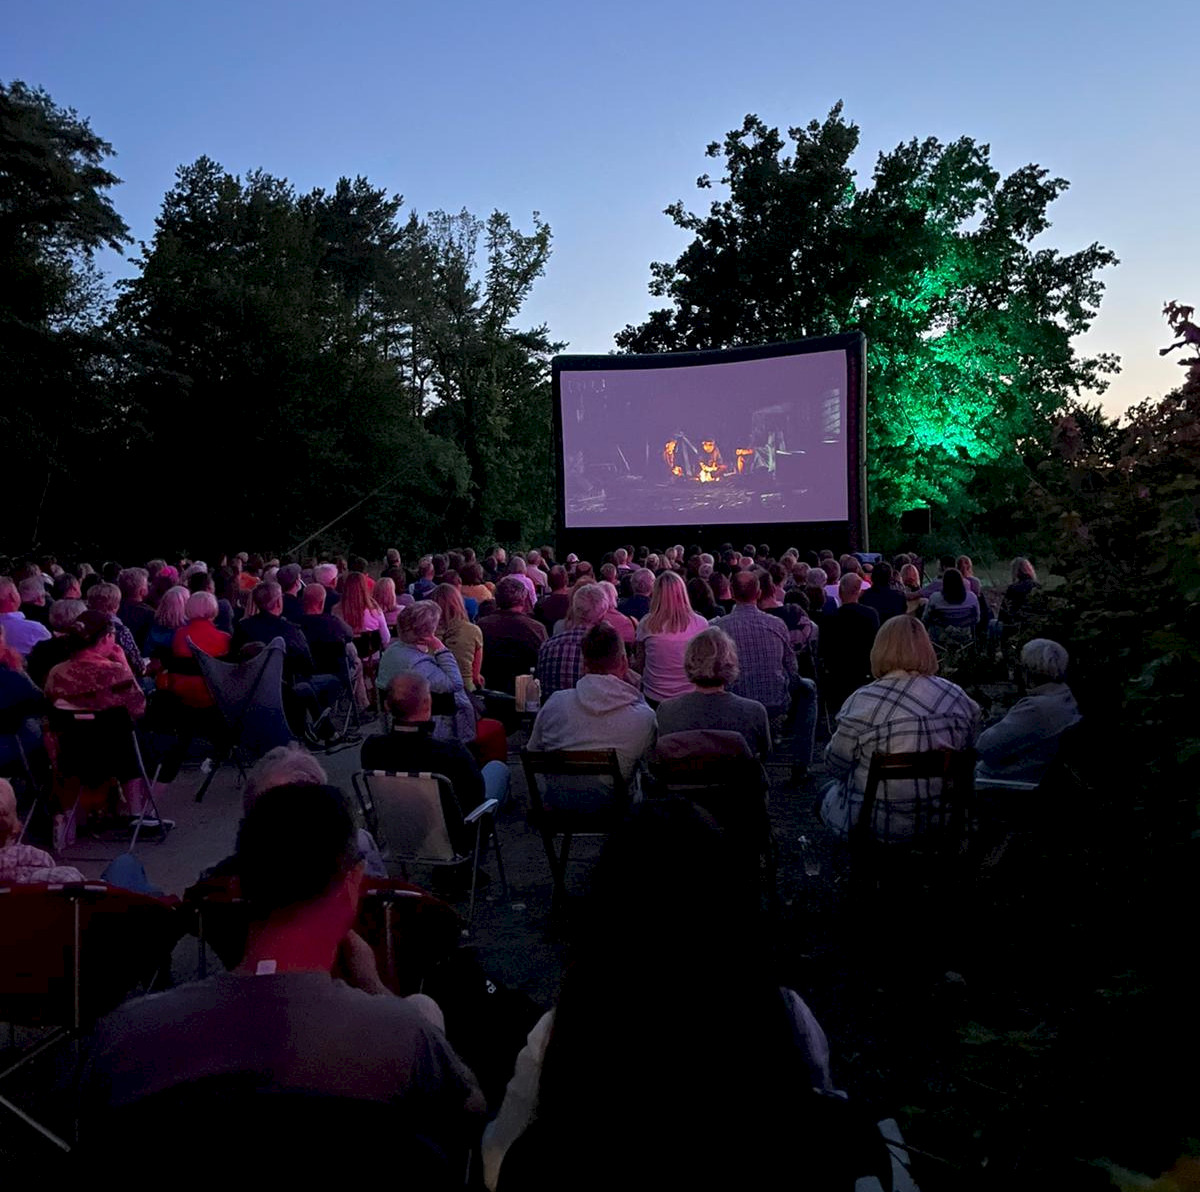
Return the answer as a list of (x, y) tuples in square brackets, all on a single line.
[(731, 441)]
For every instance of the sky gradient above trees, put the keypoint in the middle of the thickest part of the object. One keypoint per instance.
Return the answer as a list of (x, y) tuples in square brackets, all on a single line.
[(597, 117)]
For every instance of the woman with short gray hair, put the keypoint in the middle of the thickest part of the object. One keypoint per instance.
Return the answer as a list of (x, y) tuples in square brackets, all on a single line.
[(711, 663), (1021, 746)]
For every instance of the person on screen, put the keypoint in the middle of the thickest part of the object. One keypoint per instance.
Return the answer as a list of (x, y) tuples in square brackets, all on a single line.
[(712, 466)]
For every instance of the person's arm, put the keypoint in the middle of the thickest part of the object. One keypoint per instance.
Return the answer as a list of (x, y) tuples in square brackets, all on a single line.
[(477, 665), (1014, 734), (385, 635), (842, 750)]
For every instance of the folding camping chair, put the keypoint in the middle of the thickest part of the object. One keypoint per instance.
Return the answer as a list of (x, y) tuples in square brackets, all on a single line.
[(70, 953), (416, 819), (13, 727), (250, 698), (573, 776)]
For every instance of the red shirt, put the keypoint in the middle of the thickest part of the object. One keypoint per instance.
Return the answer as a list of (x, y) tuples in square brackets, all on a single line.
[(192, 689)]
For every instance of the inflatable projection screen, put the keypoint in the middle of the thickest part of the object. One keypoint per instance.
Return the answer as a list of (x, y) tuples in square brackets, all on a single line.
[(748, 437)]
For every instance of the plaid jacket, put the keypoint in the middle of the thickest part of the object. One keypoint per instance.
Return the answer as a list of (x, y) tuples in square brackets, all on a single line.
[(900, 713), (560, 662), (766, 660)]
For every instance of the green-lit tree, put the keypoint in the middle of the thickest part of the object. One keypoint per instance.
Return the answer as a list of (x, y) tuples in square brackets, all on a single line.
[(969, 324), (55, 215)]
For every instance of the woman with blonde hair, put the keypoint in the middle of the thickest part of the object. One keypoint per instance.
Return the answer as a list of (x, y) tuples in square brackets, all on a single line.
[(170, 614), (385, 597), (907, 709), (462, 639), (662, 638), (910, 582)]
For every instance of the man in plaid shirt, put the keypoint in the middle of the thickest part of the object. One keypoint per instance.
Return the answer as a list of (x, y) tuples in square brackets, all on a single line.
[(560, 659), (767, 666)]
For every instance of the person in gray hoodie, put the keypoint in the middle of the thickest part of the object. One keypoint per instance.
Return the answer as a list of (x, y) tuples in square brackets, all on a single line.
[(602, 711), (1021, 747)]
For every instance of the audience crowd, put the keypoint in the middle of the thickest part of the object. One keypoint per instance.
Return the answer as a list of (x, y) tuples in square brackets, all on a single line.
[(624, 652)]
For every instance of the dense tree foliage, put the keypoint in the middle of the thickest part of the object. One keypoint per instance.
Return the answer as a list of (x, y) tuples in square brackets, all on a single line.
[(969, 325), (278, 358)]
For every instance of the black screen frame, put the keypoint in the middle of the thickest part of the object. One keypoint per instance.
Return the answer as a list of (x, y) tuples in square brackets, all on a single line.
[(851, 534)]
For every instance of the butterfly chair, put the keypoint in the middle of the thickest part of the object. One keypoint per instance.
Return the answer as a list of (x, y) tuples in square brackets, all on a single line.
[(19, 729), (70, 953), (249, 696), (916, 812), (417, 820), (573, 793), (369, 646), (332, 658), (99, 748), (716, 770)]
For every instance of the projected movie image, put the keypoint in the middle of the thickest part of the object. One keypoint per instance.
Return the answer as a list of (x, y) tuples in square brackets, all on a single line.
[(745, 441)]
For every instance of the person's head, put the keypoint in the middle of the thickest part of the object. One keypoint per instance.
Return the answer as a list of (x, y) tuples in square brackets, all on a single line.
[(105, 598), (1022, 569), (297, 859), (589, 603), (901, 561), (608, 571), (903, 645), (66, 587), (171, 611), (392, 557), (910, 577), (10, 596), (201, 606), (881, 575), (964, 566), (10, 821), (849, 564), (91, 631), (418, 622), (700, 594), (953, 588), (288, 578), (670, 609), (603, 651), (64, 614), (200, 581), (409, 699), (642, 581), (32, 591), (558, 578), (285, 765), (326, 574), (516, 566), (833, 570), (472, 575), (268, 598), (710, 659), (511, 595), (745, 587), (849, 587), (1044, 661), (439, 565), (817, 577), (449, 600), (385, 594), (312, 599), (356, 600)]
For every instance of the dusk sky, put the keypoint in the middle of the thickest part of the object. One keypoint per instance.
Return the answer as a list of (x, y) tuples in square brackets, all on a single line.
[(597, 116)]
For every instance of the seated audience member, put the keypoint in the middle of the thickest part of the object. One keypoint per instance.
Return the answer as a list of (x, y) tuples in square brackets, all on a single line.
[(34, 604), (886, 600), (767, 668), (618, 1059), (560, 662), (511, 638), (421, 587), (711, 663), (1022, 745), (517, 569), (721, 593), (625, 626), (772, 600), (20, 633), (601, 710), (700, 594), (641, 584), (411, 747), (833, 573), (289, 578), (94, 678), (954, 607), (326, 574), (1017, 594), (22, 704), (910, 582), (281, 1016), (463, 640), (22, 864), (553, 607), (907, 709), (846, 641), (360, 610), (945, 563), (66, 587), (293, 765), (106, 598), (473, 585), (169, 615), (199, 630), (662, 637), (535, 570), (385, 597), (419, 651), (134, 612), (48, 654)]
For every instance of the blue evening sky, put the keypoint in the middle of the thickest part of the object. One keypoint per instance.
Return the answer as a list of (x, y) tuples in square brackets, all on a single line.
[(597, 116)]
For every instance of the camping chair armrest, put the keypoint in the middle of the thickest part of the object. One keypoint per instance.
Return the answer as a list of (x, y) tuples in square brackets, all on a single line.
[(485, 808), (1004, 784)]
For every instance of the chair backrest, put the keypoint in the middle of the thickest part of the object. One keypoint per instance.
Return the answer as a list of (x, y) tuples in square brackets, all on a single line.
[(70, 952), (368, 643), (573, 766), (92, 746), (417, 815), (330, 658), (250, 696), (923, 794)]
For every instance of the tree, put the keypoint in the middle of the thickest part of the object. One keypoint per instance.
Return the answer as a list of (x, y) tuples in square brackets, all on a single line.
[(969, 326), (55, 215)]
